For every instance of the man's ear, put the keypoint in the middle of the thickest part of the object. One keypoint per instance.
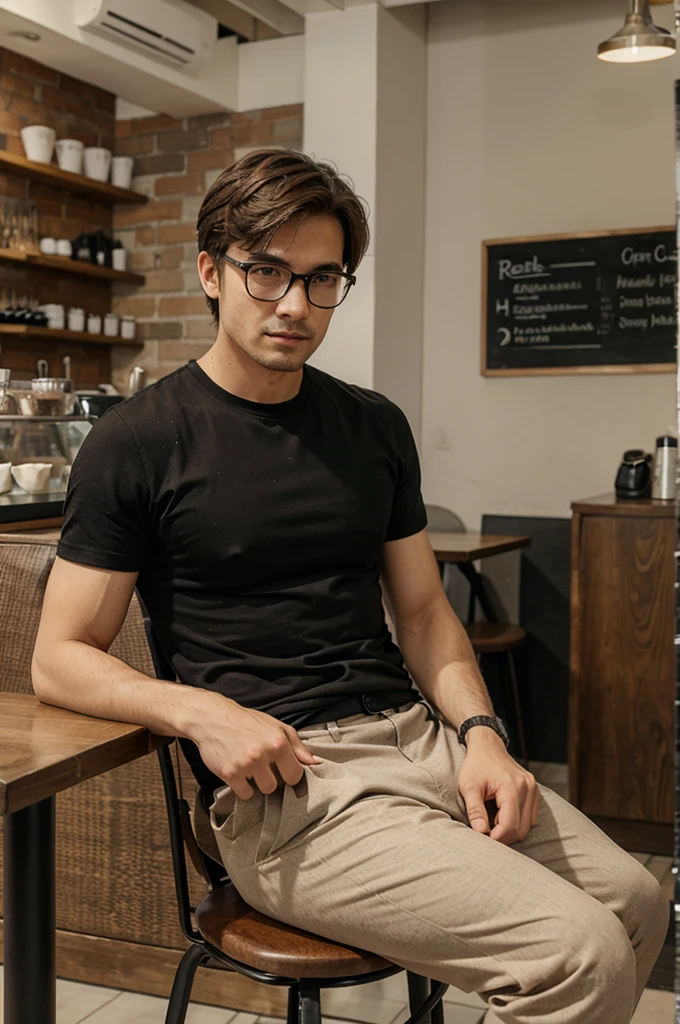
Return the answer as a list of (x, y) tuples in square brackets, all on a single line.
[(209, 275)]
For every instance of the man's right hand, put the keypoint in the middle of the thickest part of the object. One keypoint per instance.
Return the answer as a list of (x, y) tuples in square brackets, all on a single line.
[(240, 745)]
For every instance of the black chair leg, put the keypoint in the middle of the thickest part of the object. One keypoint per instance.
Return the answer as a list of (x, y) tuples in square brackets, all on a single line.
[(309, 1001), (418, 991), (293, 1005), (437, 1014), (518, 711), (181, 986)]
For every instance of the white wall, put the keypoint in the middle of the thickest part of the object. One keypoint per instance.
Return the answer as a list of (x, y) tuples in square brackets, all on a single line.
[(528, 133)]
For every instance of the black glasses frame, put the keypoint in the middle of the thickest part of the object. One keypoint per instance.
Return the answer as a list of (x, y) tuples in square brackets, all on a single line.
[(305, 278)]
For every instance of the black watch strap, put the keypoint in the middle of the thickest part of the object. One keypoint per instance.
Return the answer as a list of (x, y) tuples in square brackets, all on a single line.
[(494, 723)]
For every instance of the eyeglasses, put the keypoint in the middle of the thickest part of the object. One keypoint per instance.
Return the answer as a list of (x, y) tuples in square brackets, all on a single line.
[(269, 282)]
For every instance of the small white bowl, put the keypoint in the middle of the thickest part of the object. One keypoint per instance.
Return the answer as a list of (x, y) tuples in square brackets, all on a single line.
[(33, 476), (5, 477)]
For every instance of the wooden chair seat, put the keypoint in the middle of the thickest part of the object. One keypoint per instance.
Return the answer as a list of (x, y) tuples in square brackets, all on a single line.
[(227, 922), (494, 637)]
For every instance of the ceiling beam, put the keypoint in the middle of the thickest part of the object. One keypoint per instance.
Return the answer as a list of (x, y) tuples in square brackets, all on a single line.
[(272, 13), (239, 21)]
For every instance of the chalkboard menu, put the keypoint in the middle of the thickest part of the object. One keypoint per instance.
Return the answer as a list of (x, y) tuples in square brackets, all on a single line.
[(592, 303)]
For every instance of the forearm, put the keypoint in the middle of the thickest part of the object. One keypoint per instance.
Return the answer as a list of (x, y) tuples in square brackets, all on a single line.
[(77, 676), (439, 656)]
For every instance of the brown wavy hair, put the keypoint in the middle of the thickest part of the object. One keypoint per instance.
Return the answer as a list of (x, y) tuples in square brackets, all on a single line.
[(250, 200)]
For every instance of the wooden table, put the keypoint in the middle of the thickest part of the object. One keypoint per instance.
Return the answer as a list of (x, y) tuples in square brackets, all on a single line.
[(44, 750), (468, 547), (462, 549)]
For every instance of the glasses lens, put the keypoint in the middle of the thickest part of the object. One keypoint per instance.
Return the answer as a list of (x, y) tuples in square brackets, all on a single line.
[(266, 281), (328, 290)]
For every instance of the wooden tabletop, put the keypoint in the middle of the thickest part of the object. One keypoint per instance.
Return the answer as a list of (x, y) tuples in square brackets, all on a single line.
[(44, 749), (610, 505), (468, 547)]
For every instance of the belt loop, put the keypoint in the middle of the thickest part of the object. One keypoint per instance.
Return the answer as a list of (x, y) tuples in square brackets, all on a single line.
[(334, 730)]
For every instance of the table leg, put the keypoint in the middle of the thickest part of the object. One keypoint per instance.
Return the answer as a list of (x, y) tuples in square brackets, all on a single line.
[(474, 579), (29, 915)]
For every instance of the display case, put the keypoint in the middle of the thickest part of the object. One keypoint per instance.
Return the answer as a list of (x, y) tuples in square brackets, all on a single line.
[(45, 439)]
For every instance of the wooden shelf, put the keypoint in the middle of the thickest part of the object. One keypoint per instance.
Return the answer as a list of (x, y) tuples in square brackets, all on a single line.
[(68, 266), (51, 174), (50, 334)]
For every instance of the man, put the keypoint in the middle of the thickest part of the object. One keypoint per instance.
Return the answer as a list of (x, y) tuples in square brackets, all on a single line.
[(258, 503)]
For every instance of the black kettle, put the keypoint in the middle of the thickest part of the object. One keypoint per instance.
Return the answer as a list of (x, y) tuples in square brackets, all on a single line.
[(634, 477)]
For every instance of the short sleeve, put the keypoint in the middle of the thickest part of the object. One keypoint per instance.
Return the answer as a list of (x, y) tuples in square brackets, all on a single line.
[(408, 510), (107, 512)]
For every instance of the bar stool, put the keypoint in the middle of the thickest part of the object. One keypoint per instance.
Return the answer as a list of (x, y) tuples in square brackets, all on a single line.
[(489, 638)]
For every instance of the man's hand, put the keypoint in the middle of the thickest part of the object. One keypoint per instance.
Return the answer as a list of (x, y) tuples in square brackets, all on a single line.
[(490, 774), (238, 744)]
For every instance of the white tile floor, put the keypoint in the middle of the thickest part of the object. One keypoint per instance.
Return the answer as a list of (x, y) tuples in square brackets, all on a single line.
[(383, 1002)]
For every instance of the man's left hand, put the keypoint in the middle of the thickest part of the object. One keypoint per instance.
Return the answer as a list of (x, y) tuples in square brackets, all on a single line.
[(490, 774)]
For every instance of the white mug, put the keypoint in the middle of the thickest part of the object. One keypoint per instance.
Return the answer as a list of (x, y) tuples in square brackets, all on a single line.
[(5, 477), (75, 319), (38, 142), (64, 247), (119, 257), (121, 171), (111, 323), (97, 162), (127, 327), (70, 155), (48, 245)]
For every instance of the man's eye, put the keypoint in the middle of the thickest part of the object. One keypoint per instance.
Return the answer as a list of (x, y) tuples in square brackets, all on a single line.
[(271, 273), (322, 279)]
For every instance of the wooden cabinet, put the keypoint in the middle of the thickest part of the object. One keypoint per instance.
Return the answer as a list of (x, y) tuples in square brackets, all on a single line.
[(621, 728)]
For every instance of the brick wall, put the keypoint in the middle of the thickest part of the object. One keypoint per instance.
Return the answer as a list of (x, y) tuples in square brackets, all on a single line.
[(31, 93), (175, 163)]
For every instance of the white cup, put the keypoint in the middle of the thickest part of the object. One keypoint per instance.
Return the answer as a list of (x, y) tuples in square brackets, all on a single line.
[(119, 258), (64, 247), (75, 320), (121, 171), (5, 477), (56, 318), (111, 323), (33, 476), (48, 245), (128, 326), (70, 155), (97, 162), (38, 142)]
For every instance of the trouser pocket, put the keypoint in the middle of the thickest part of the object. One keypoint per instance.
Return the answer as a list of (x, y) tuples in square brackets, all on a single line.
[(263, 825)]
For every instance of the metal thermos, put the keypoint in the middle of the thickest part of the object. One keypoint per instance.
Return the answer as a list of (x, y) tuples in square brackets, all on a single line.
[(665, 468)]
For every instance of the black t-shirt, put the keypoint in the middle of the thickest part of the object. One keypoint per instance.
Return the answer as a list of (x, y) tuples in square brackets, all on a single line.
[(257, 531)]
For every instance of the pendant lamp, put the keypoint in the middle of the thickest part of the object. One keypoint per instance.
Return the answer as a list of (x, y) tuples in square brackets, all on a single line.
[(638, 40)]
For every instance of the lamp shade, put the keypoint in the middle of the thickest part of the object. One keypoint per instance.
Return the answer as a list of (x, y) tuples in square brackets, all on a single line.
[(638, 40)]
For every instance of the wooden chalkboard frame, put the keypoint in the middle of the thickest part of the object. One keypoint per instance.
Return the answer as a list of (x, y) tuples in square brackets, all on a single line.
[(561, 371)]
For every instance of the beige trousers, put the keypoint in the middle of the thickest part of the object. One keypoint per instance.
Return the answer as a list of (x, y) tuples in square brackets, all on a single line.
[(373, 848)]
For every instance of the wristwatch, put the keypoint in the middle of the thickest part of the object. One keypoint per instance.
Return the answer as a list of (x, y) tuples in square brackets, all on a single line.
[(494, 723)]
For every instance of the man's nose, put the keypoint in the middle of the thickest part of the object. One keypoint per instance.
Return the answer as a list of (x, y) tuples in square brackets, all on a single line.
[(294, 303)]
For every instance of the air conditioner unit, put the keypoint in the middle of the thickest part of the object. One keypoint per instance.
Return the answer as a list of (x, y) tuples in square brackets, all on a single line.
[(168, 31)]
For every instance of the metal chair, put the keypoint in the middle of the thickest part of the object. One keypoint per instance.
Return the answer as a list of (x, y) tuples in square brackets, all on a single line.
[(226, 933)]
